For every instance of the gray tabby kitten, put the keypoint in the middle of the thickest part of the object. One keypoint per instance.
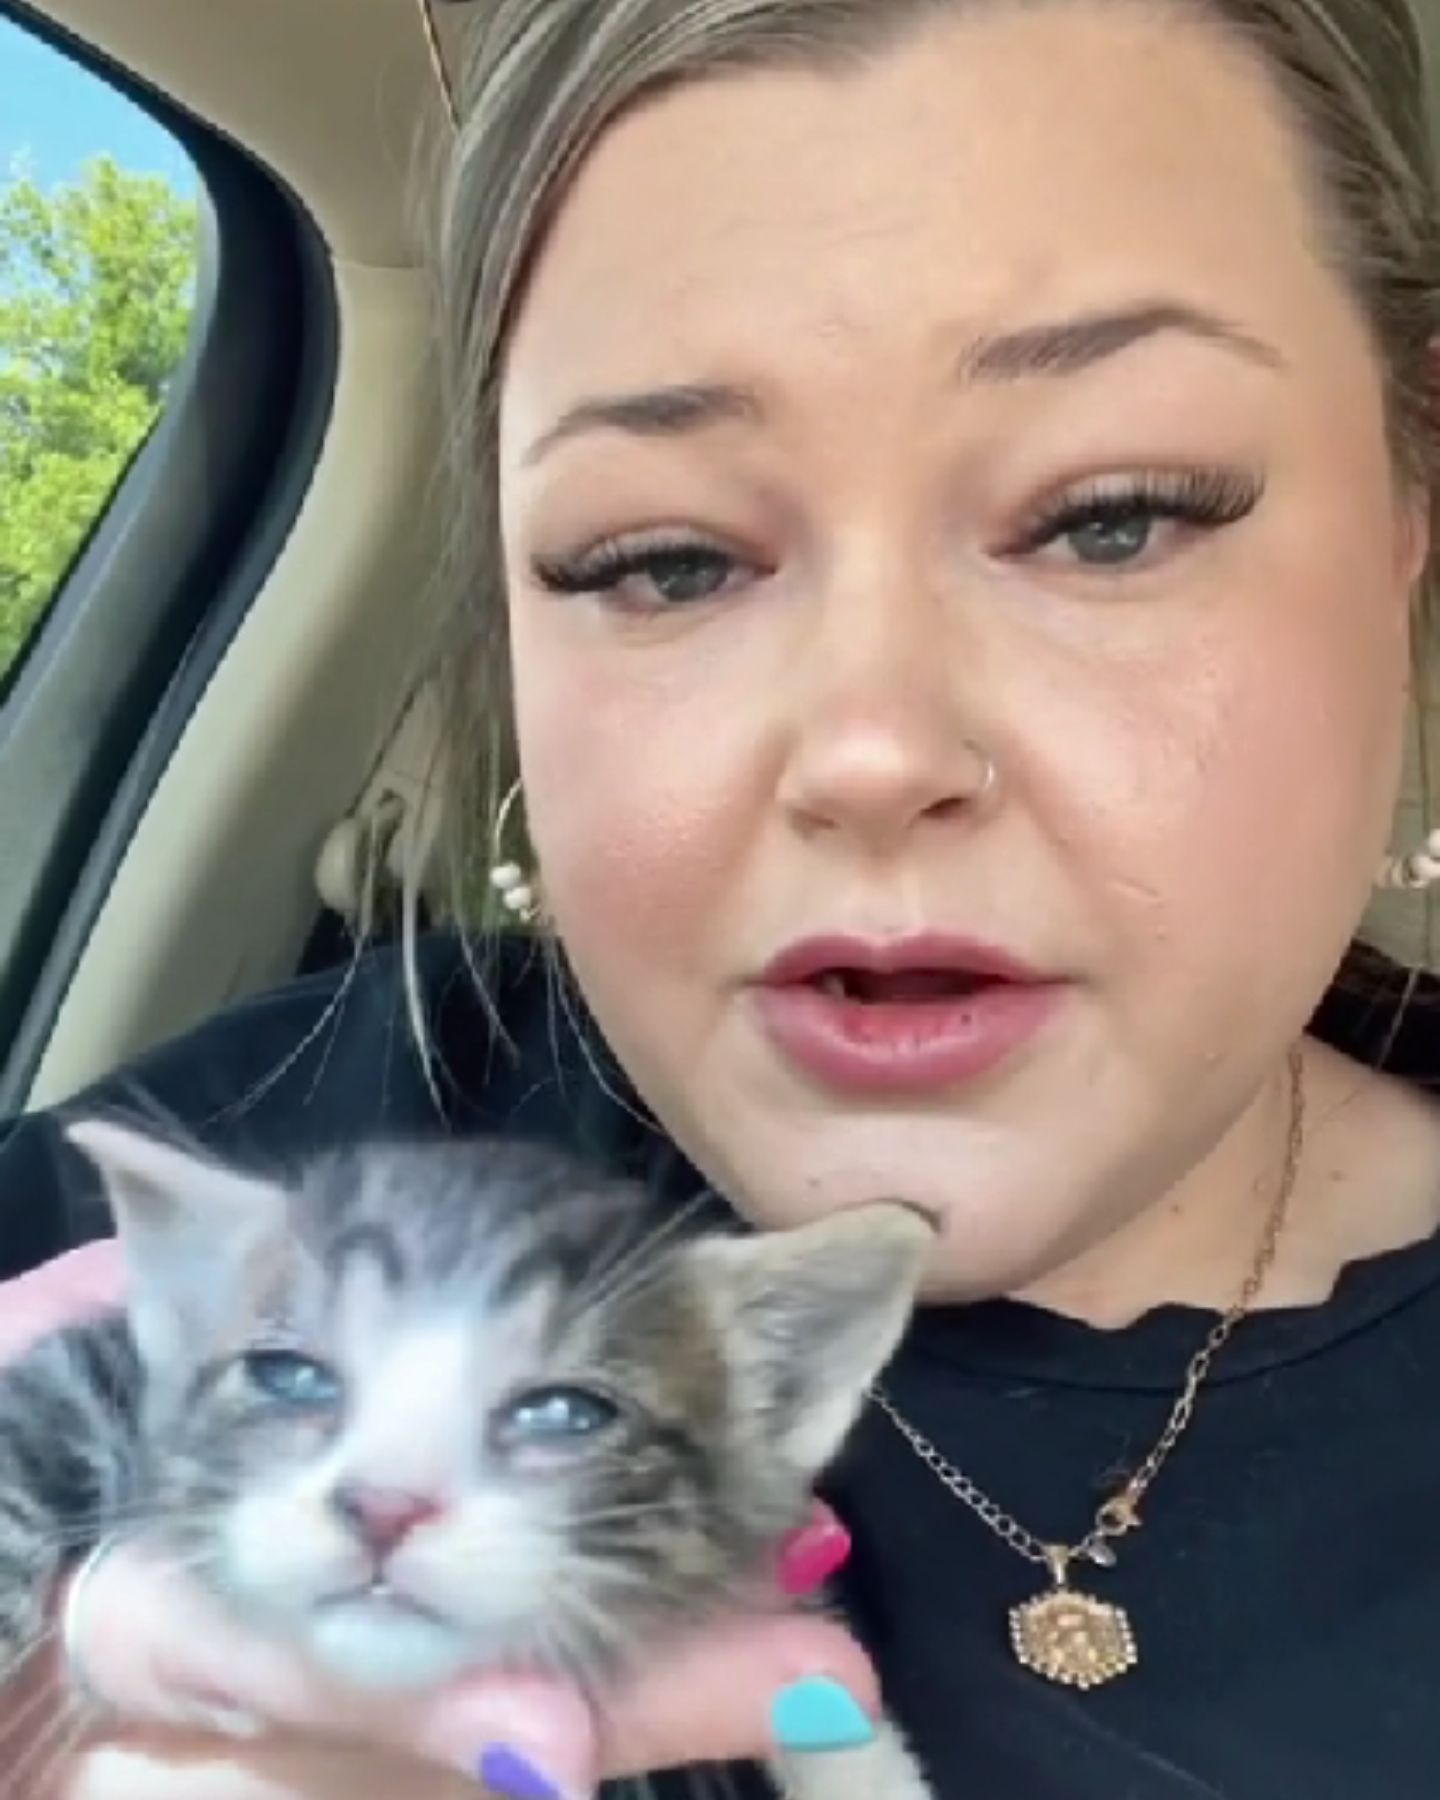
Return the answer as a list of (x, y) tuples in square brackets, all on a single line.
[(420, 1408)]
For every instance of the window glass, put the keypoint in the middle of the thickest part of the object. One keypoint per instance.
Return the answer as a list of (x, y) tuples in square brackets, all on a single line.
[(98, 260)]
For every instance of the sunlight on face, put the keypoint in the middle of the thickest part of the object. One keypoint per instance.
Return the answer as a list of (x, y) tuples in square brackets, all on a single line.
[(990, 400)]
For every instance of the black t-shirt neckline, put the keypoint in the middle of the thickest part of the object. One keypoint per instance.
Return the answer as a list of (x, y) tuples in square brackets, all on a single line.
[(1016, 1339)]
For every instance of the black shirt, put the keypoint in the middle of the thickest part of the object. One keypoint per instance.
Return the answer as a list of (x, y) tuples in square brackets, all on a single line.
[(1285, 1587)]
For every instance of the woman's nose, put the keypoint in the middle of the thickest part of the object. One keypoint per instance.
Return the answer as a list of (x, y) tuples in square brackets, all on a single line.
[(874, 784), (880, 733)]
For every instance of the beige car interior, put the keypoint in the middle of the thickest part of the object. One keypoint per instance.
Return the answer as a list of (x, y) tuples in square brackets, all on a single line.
[(254, 818)]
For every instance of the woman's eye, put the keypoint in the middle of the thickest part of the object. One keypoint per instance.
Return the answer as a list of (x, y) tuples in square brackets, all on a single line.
[(650, 576), (1119, 528), (291, 1379), (557, 1416), (679, 576), (1113, 540)]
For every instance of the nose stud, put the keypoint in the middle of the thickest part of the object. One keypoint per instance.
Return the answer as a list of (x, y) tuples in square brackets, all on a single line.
[(380, 1517), (989, 774)]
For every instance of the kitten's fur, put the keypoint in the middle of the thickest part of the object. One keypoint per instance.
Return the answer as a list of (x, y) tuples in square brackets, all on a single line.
[(437, 1283)]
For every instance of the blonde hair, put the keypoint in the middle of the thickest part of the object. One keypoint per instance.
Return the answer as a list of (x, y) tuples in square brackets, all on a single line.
[(543, 79)]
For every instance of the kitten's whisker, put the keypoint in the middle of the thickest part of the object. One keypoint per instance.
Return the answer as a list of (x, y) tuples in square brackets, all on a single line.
[(638, 1509), (194, 1562), (576, 1604), (620, 1587), (147, 1510), (111, 1507), (49, 1763), (86, 1533), (564, 1658), (20, 1738), (47, 1756), (9, 1670), (567, 1633), (72, 1545), (645, 1248), (620, 1280), (34, 1706)]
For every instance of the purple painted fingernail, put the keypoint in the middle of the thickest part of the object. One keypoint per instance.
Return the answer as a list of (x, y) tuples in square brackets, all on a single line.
[(507, 1772)]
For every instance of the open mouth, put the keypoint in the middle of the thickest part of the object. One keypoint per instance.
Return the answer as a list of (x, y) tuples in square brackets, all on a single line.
[(903, 987), (913, 1015), (927, 969)]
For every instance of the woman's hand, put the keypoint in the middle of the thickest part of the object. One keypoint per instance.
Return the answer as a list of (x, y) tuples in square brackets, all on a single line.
[(214, 1714), (73, 1287)]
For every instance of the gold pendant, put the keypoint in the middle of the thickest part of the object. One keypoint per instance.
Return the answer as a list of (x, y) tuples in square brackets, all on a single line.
[(1072, 1638)]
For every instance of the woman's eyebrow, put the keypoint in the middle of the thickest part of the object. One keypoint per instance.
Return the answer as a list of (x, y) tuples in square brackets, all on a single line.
[(1069, 346), (1065, 347), (653, 412)]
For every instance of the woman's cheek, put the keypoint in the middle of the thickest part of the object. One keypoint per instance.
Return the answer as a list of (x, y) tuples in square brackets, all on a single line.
[(1244, 846), (642, 796)]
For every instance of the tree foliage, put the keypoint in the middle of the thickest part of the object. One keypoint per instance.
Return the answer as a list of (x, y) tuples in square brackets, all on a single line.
[(96, 291)]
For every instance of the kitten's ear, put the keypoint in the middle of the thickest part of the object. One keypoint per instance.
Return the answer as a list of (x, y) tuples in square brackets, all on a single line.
[(809, 1318), (191, 1232)]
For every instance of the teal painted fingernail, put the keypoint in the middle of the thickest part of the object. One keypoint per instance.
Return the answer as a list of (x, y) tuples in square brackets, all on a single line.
[(818, 1714)]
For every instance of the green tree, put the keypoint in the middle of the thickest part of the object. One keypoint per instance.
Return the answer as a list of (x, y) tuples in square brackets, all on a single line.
[(96, 292)]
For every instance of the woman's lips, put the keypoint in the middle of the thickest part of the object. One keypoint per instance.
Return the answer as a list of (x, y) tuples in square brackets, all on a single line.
[(904, 1015)]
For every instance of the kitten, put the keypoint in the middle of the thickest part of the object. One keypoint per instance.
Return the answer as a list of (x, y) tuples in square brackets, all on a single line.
[(421, 1408)]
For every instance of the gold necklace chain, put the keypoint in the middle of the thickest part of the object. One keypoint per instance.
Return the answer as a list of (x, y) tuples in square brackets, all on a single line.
[(1067, 1636)]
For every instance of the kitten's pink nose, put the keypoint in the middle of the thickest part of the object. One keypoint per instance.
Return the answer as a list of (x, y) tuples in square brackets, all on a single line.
[(382, 1518)]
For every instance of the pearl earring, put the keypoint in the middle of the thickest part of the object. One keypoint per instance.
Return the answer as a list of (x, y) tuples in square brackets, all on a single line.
[(516, 888), (1416, 870)]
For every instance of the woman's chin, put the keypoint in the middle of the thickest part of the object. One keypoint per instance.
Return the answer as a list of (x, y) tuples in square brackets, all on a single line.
[(1002, 1228)]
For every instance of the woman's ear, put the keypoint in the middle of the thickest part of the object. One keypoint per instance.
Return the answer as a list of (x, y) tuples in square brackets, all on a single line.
[(1416, 537)]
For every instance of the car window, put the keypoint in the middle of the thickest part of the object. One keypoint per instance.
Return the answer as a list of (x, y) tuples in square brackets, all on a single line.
[(99, 239), (168, 355)]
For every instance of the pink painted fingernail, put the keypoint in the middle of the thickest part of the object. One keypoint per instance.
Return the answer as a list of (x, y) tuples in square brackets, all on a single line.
[(811, 1555)]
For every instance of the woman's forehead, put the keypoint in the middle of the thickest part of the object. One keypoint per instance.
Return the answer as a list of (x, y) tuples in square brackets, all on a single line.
[(1005, 167)]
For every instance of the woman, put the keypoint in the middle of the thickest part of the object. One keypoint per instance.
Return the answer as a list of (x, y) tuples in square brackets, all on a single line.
[(957, 481)]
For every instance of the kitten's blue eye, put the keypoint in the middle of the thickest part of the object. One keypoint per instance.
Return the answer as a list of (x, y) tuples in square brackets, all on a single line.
[(556, 1415), (292, 1379)]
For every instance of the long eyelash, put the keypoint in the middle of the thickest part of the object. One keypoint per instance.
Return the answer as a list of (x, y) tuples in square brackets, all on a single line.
[(606, 565), (1205, 498)]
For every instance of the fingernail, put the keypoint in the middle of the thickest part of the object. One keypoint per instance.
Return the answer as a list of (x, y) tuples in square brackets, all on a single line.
[(811, 1555), (819, 1714), (505, 1771)]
